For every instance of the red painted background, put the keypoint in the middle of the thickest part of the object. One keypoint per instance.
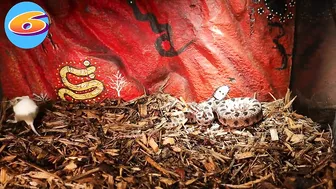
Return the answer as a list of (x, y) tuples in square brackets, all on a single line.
[(226, 49)]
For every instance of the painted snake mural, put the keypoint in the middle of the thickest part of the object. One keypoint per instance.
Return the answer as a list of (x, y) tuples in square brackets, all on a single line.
[(158, 28), (94, 84), (279, 12)]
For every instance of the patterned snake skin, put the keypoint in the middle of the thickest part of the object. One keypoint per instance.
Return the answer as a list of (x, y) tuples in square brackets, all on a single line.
[(234, 112)]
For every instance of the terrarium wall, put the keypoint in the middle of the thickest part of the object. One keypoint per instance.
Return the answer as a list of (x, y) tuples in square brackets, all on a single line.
[(189, 48), (314, 63), (1, 95)]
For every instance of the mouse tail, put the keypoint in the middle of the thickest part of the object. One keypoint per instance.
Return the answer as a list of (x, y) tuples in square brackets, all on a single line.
[(31, 125)]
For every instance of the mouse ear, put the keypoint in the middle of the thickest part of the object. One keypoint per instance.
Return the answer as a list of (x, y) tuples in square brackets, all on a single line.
[(221, 92), (22, 97)]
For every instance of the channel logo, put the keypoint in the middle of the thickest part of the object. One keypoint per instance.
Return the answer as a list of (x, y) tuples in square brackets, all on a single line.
[(26, 25)]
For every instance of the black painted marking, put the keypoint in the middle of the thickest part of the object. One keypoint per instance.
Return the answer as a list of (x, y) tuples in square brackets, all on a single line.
[(247, 121), (253, 109), (224, 120), (279, 46), (209, 114), (292, 3), (256, 105), (245, 113), (233, 99), (270, 17), (210, 103), (206, 107), (236, 114), (278, 7), (235, 123), (290, 16), (261, 11), (158, 28), (227, 113)]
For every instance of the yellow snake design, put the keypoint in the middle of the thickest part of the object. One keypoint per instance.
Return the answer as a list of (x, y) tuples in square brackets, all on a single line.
[(72, 88)]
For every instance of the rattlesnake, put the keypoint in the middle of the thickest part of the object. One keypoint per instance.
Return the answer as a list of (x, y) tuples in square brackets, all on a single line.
[(234, 112)]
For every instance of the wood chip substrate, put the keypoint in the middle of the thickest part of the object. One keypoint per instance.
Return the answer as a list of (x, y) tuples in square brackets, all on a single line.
[(136, 144)]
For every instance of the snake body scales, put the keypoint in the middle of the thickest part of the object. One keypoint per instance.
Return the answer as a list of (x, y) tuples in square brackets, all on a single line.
[(234, 112)]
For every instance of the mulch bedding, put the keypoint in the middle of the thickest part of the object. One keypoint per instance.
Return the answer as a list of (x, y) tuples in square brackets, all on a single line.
[(136, 144)]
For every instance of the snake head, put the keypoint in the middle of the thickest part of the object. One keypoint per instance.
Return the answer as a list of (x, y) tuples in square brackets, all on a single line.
[(221, 92)]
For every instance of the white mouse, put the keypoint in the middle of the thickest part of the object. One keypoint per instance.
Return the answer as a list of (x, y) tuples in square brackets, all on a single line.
[(221, 92), (25, 109)]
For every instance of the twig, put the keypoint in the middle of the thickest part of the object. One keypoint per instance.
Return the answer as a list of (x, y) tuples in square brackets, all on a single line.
[(84, 174), (249, 184), (144, 146), (38, 168), (163, 86), (159, 167), (24, 186)]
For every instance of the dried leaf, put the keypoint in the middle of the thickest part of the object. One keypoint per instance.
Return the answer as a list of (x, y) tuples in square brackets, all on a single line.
[(209, 165), (298, 116), (333, 165), (188, 182), (71, 166), (142, 110), (289, 104), (319, 139), (180, 172), (122, 185), (297, 138), (60, 114), (129, 179), (167, 181), (91, 114), (112, 152), (110, 180), (8, 158), (244, 155), (274, 134), (288, 133), (55, 123), (32, 183), (39, 175), (154, 145), (167, 141), (4, 177), (176, 149), (292, 125), (288, 146), (144, 139)]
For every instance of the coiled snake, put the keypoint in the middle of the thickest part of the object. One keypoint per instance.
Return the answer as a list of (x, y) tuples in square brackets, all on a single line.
[(234, 112)]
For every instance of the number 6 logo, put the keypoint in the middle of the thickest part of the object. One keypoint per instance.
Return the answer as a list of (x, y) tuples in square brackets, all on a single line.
[(26, 25)]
